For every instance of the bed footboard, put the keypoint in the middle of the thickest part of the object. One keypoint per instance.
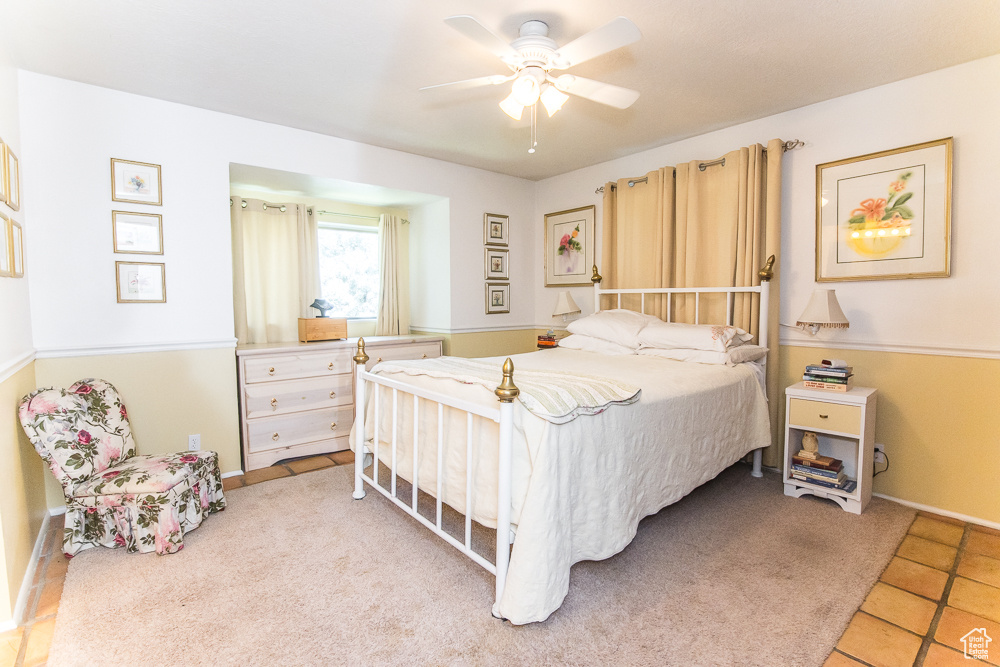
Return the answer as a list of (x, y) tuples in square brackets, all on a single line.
[(503, 415)]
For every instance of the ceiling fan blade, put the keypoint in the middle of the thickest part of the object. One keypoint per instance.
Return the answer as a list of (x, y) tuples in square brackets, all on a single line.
[(493, 79), (603, 93), (612, 35), (482, 35)]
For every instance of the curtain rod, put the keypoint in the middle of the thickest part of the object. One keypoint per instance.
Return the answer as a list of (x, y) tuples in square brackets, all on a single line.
[(283, 208), (355, 215), (243, 204), (785, 147)]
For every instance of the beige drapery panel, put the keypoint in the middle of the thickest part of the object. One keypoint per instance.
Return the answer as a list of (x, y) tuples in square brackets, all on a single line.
[(387, 321), (686, 227), (275, 272)]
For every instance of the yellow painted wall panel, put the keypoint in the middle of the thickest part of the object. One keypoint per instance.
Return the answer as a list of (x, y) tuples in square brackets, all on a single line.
[(938, 418), (22, 493), (169, 395), (487, 343)]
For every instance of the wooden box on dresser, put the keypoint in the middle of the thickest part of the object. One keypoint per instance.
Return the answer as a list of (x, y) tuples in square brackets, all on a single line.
[(297, 399)]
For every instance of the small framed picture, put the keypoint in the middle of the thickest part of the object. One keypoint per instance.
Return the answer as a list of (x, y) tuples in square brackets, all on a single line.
[(3, 171), (497, 298), (135, 182), (6, 259), (16, 240), (496, 264), (496, 229), (137, 233), (12, 178), (140, 282)]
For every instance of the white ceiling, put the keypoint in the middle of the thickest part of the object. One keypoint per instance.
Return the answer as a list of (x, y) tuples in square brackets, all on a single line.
[(353, 69)]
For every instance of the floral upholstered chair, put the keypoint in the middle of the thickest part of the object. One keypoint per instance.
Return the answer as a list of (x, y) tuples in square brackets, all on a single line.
[(115, 498)]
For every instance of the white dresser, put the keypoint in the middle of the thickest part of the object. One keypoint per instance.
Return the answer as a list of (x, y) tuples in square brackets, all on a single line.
[(297, 399)]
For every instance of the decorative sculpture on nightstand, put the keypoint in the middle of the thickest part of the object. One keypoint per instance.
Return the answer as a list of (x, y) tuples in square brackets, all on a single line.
[(810, 444), (323, 306)]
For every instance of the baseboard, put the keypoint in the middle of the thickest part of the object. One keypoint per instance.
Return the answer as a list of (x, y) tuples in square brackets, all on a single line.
[(234, 473), (938, 510), (56, 511), (29, 576)]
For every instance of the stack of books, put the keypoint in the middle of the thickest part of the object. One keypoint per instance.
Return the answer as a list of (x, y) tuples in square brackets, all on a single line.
[(547, 340), (832, 375), (822, 471)]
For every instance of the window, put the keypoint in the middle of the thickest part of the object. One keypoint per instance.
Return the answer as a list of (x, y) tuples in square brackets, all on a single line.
[(348, 269)]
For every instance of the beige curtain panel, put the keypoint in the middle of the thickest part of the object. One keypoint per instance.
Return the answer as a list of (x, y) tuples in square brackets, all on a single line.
[(688, 227), (275, 274), (387, 322)]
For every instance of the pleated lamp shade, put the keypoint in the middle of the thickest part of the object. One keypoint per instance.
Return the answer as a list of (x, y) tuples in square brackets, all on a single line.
[(565, 305), (823, 310)]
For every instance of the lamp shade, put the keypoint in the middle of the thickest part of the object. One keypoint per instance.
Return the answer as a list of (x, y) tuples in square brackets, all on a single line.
[(823, 310), (565, 305)]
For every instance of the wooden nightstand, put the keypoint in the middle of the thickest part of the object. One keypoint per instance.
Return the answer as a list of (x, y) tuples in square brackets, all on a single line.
[(845, 425)]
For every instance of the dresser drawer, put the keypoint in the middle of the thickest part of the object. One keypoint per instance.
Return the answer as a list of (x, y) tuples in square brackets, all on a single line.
[(399, 352), (265, 399), (825, 416), (298, 365), (297, 428)]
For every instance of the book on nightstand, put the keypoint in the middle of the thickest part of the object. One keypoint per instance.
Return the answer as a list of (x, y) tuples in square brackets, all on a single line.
[(830, 375)]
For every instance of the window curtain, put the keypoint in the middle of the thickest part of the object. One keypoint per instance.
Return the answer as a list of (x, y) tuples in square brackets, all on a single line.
[(387, 322), (687, 227), (275, 272)]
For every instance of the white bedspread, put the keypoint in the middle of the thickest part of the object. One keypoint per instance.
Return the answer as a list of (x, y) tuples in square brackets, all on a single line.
[(581, 488)]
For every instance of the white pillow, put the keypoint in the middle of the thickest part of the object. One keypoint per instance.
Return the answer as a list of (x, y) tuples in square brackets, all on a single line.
[(618, 326), (590, 344), (712, 337), (737, 355)]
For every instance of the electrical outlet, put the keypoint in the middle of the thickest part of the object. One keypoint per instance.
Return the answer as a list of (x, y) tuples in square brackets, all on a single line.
[(194, 442), (879, 453)]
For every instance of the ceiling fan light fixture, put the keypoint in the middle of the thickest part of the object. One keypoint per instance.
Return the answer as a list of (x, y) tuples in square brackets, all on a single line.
[(512, 107), (553, 99), (525, 89)]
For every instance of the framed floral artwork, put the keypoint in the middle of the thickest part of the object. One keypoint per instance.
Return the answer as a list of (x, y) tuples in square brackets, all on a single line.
[(5, 253), (569, 247), (140, 282), (496, 229), (16, 240), (136, 182), (3, 171), (497, 298), (885, 215), (496, 264), (12, 178), (137, 233)]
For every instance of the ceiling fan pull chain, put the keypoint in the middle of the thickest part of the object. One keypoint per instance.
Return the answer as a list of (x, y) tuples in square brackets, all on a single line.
[(534, 128)]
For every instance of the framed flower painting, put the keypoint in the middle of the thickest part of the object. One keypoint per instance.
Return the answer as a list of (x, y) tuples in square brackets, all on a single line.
[(885, 215), (569, 247), (136, 182)]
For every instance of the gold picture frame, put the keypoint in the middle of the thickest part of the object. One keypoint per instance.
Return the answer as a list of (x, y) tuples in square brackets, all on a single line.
[(569, 247), (6, 256), (885, 215), (137, 233), (12, 178), (141, 282), (16, 241), (497, 298), (496, 229), (3, 171), (497, 264), (136, 182)]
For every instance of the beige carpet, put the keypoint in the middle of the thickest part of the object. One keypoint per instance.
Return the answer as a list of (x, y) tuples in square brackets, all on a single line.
[(297, 573)]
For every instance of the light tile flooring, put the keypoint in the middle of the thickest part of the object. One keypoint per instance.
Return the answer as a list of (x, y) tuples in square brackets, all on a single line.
[(943, 582)]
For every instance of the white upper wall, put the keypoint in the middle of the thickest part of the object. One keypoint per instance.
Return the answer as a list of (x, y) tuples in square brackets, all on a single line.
[(15, 319), (960, 313), (72, 130)]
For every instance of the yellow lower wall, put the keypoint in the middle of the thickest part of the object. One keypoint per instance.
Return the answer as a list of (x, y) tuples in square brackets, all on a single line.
[(169, 395), (938, 418), (22, 494), (487, 343)]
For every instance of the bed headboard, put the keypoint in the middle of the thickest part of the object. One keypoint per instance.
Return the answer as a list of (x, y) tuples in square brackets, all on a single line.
[(763, 289)]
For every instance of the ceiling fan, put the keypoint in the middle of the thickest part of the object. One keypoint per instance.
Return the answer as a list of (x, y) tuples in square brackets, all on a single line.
[(533, 56)]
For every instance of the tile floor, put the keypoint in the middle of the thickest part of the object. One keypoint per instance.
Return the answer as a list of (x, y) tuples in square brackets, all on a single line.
[(943, 582)]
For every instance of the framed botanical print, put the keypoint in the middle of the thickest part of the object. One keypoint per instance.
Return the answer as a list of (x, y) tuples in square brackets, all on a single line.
[(6, 257), (496, 229), (16, 240), (140, 282), (3, 171), (137, 233), (496, 264), (12, 178), (885, 215), (136, 182), (569, 247), (497, 298)]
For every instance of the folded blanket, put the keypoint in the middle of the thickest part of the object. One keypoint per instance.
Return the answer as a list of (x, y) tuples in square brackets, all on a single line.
[(555, 396)]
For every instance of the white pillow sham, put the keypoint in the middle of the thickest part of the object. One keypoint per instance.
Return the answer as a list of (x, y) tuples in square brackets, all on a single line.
[(591, 344), (618, 326), (737, 355), (711, 337)]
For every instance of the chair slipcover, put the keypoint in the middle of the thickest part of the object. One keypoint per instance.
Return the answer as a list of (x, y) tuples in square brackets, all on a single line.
[(115, 498)]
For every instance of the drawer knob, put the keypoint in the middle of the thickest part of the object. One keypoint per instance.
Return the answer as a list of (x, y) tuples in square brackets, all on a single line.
[(274, 404), (330, 366), (333, 425), (275, 436), (333, 394), (824, 416), (270, 371)]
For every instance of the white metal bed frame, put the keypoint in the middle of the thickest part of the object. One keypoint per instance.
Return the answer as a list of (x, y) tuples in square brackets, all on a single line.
[(503, 415)]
